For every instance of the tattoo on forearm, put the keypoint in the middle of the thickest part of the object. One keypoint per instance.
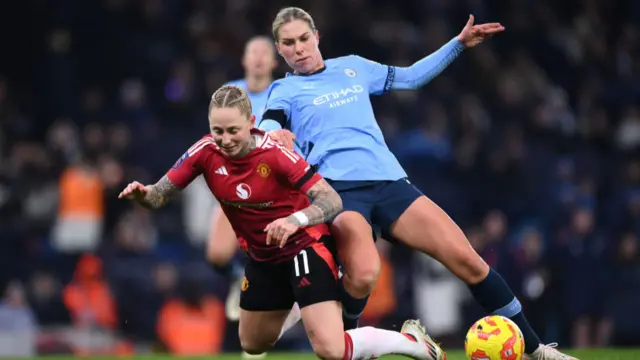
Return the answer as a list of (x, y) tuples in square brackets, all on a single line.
[(325, 204), (160, 193)]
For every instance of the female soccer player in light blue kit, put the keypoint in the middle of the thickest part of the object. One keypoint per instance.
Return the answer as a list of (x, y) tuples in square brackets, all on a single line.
[(326, 105)]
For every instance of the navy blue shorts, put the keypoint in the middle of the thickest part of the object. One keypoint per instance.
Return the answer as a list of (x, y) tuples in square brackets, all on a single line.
[(380, 202)]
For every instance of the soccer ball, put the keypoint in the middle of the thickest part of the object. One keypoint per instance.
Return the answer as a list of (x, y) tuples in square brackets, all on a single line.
[(494, 338)]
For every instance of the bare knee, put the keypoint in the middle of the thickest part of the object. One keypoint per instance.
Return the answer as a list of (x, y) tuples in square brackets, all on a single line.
[(358, 253), (329, 350), (218, 258), (256, 341), (361, 280), (253, 347)]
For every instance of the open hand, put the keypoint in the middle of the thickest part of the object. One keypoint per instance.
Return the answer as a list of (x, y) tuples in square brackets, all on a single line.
[(472, 35), (134, 191), (283, 137), (279, 231)]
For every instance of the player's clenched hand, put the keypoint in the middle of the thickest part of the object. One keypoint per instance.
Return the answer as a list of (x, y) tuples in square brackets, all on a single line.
[(279, 231), (134, 191), (283, 137)]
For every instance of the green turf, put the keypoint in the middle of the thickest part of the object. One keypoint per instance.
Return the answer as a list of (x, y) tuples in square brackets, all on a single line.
[(599, 354)]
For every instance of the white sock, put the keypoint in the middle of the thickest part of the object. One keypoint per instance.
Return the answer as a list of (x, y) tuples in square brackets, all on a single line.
[(369, 342), (291, 320)]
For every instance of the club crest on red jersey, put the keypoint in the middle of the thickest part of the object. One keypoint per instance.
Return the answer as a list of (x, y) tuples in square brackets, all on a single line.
[(243, 191), (264, 170)]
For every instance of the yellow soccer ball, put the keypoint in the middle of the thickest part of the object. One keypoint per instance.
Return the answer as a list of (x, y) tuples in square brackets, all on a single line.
[(494, 338)]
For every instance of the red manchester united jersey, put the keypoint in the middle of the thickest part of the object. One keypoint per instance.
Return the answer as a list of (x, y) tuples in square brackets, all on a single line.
[(269, 183)]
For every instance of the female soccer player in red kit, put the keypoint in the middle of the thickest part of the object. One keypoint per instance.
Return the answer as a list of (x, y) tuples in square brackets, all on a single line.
[(277, 206)]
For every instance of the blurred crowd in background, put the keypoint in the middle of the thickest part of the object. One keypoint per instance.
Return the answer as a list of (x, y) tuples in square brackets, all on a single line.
[(530, 142)]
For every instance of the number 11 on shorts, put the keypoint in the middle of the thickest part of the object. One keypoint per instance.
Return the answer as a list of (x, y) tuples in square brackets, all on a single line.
[(305, 262)]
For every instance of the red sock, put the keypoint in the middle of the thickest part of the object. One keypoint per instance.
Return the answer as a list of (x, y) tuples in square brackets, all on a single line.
[(348, 347)]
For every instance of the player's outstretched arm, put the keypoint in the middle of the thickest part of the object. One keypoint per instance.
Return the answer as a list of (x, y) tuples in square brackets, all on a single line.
[(424, 70), (325, 204), (151, 196)]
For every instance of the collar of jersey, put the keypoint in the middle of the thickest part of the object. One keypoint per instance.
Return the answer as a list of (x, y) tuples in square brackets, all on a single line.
[(313, 73), (261, 134)]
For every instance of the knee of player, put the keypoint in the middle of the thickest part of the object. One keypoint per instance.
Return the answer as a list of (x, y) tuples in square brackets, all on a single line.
[(254, 348), (472, 268), (216, 259), (220, 256), (364, 279), (329, 350)]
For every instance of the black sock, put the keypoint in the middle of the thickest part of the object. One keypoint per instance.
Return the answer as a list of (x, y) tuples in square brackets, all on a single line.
[(494, 295), (352, 308)]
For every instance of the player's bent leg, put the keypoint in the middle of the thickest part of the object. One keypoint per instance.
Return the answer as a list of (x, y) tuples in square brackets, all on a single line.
[(361, 264), (223, 244), (322, 322), (426, 227), (265, 301), (316, 290), (260, 330), (358, 253), (314, 280)]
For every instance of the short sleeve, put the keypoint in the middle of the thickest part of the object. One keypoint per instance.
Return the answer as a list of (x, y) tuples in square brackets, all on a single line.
[(379, 76), (278, 107), (296, 170), (188, 167)]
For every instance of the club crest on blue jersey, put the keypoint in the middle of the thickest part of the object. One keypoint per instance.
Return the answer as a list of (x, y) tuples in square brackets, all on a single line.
[(350, 73), (180, 161)]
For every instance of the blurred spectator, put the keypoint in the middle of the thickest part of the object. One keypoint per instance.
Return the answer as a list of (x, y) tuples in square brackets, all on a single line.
[(17, 324), (80, 217), (139, 319), (491, 243), (628, 135), (88, 297), (192, 325), (583, 284), (527, 269), (624, 292), (46, 300)]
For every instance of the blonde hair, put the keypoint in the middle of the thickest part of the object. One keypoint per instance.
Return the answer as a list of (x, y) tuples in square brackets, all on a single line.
[(287, 15), (258, 38), (231, 96)]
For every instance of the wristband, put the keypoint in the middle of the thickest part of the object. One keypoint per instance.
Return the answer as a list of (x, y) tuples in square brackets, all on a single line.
[(302, 218)]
